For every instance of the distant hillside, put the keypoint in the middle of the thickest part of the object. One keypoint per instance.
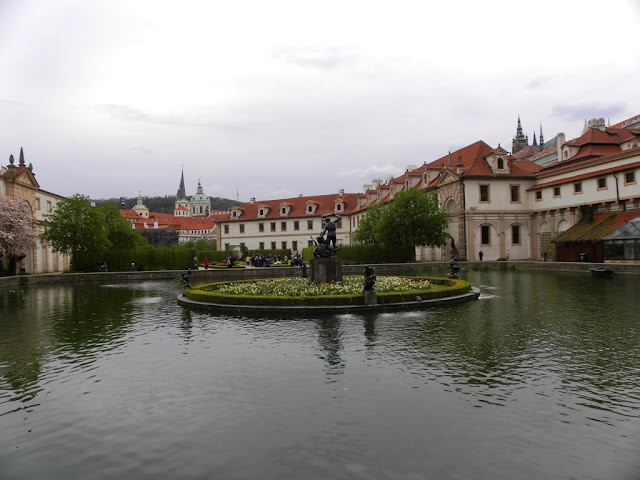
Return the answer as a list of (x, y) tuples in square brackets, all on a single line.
[(166, 204)]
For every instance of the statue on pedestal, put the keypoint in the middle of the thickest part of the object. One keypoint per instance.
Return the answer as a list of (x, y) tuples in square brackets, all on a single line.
[(326, 246), (369, 279)]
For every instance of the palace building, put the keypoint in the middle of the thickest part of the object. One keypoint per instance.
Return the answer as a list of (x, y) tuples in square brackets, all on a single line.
[(19, 182)]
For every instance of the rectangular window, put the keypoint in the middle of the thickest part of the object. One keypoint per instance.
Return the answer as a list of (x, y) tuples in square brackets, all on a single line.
[(37, 203), (242, 244), (294, 245), (261, 246), (484, 193), (515, 234), (310, 243), (310, 225), (538, 194), (284, 245), (49, 206), (226, 246), (339, 224), (629, 177), (273, 245), (261, 227), (577, 187), (226, 229), (556, 191), (273, 226), (296, 225), (515, 193), (486, 239), (283, 226), (602, 183), (242, 228)]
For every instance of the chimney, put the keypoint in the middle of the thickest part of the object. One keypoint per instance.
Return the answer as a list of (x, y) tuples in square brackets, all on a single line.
[(376, 182), (366, 187), (341, 192), (252, 200), (155, 224)]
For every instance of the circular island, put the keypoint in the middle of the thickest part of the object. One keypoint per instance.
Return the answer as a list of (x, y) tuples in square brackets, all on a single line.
[(293, 294)]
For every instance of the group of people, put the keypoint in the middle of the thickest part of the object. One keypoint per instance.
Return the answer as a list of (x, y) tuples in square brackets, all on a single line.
[(296, 260), (259, 260)]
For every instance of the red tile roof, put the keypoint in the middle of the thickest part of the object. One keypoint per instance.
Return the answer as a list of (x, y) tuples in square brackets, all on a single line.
[(595, 230), (621, 124), (325, 204), (575, 178)]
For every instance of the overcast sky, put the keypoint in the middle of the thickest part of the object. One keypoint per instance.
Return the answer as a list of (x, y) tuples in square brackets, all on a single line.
[(271, 99)]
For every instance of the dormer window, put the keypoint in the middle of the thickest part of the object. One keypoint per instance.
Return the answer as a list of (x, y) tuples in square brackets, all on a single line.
[(339, 207), (285, 208), (500, 163), (261, 213), (311, 207)]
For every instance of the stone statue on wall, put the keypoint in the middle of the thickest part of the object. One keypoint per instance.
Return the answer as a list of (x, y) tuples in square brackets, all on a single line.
[(326, 242), (369, 279)]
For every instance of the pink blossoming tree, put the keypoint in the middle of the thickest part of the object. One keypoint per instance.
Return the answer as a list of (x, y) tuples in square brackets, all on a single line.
[(17, 235)]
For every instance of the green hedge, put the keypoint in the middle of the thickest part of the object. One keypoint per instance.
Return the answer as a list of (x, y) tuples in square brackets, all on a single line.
[(207, 293), (362, 254)]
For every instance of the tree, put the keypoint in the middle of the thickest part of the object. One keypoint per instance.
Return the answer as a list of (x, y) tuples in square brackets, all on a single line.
[(17, 235), (76, 227), (368, 227), (412, 218), (119, 231)]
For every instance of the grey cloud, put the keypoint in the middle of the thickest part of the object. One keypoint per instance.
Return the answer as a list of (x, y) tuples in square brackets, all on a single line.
[(589, 109), (14, 103), (143, 150), (538, 82), (130, 114), (324, 58)]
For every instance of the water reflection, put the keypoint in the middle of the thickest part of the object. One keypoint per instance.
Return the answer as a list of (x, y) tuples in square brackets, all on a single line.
[(547, 353)]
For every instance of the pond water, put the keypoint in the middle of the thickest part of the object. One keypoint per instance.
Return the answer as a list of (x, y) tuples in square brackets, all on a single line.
[(539, 379)]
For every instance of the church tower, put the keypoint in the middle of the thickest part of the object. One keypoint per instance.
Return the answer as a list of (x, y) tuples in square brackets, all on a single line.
[(181, 208), (200, 203), (520, 141)]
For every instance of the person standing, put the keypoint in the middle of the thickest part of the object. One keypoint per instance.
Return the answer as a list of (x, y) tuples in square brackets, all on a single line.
[(195, 263), (206, 263), (480, 254)]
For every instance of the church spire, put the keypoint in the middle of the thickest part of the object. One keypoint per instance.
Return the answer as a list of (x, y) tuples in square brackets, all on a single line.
[(520, 141), (535, 142), (182, 193), (541, 136)]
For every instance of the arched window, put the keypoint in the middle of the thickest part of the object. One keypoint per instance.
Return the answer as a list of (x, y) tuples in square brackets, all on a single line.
[(500, 163)]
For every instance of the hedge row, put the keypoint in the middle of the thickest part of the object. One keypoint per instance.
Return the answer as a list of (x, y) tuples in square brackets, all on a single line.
[(363, 254), (207, 293)]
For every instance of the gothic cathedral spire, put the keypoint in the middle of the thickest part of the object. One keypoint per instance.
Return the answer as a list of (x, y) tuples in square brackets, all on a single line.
[(520, 141), (182, 193)]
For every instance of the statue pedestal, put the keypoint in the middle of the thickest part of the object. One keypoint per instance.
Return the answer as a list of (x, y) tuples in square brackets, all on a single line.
[(370, 297), (326, 270)]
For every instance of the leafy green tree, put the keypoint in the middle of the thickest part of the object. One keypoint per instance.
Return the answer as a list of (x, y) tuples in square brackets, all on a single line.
[(76, 227), (17, 235), (412, 218), (119, 231), (367, 232)]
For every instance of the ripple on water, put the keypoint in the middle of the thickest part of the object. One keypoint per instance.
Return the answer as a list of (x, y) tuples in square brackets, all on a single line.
[(158, 390)]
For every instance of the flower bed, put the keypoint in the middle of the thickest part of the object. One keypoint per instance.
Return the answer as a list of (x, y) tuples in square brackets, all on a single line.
[(298, 292)]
